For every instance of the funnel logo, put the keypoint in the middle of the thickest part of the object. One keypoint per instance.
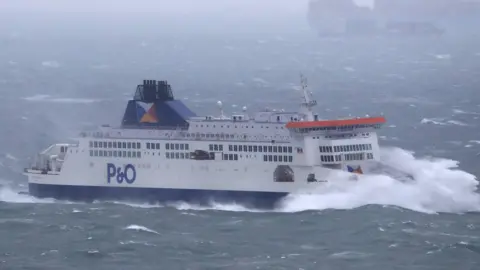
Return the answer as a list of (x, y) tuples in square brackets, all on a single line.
[(127, 173), (146, 112)]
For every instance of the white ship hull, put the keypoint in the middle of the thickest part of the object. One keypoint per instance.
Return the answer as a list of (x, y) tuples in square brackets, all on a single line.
[(151, 181)]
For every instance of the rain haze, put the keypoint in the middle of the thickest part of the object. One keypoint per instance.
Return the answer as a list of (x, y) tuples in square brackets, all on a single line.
[(70, 66)]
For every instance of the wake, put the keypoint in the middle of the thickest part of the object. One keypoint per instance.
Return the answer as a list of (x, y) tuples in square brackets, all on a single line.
[(439, 187)]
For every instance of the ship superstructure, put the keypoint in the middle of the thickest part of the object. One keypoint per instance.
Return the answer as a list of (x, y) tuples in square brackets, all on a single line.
[(164, 152)]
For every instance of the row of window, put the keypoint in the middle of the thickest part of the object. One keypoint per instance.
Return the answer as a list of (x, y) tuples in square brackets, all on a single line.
[(353, 156), (176, 146), (124, 145), (105, 153), (275, 158), (260, 148), (331, 158), (230, 156), (177, 155), (345, 148), (215, 147), (153, 146)]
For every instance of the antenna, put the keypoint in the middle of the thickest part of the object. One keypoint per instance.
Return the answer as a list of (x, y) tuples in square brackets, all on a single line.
[(220, 106), (307, 95), (303, 81)]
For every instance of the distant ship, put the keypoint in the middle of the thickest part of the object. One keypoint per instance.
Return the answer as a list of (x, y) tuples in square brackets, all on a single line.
[(393, 18), (164, 152)]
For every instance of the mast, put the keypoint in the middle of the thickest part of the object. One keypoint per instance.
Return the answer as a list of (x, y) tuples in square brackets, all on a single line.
[(308, 101)]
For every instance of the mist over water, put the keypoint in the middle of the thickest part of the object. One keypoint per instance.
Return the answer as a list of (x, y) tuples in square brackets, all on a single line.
[(65, 68)]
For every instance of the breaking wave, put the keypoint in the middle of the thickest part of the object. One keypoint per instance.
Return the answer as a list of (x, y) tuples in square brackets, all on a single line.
[(439, 186)]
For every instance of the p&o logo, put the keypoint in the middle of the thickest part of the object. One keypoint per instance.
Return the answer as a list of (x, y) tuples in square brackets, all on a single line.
[(127, 173)]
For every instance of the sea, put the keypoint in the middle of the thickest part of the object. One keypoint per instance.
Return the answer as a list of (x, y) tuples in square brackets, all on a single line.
[(57, 79)]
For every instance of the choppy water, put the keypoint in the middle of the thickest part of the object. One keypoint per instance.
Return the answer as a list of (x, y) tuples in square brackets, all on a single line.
[(55, 85)]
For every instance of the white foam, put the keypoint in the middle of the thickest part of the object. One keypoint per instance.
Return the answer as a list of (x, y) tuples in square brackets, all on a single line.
[(140, 228), (51, 64), (438, 187), (48, 98), (442, 122), (9, 195), (443, 56), (458, 111)]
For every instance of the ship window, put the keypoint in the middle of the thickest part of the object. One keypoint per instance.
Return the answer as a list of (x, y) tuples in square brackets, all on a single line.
[(148, 145), (186, 146), (91, 144), (250, 148), (275, 158), (167, 154), (129, 154), (124, 145), (290, 159), (167, 146), (230, 147), (275, 149), (129, 145), (95, 144), (330, 149), (95, 153), (220, 147), (235, 156), (265, 158), (104, 144), (280, 158), (290, 149), (91, 153), (177, 146), (322, 159), (235, 148), (134, 154), (187, 155), (115, 153), (100, 153), (244, 148), (215, 147), (280, 149), (139, 154), (225, 156), (255, 148), (182, 156), (124, 153), (285, 149), (210, 147), (270, 149), (177, 155), (182, 146)]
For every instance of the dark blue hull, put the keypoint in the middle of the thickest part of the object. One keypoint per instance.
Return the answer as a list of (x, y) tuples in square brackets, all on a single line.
[(263, 200)]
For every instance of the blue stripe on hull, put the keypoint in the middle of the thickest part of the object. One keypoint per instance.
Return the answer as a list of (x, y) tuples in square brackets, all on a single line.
[(254, 199)]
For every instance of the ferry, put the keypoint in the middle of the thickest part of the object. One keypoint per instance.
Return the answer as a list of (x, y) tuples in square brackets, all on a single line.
[(163, 152)]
